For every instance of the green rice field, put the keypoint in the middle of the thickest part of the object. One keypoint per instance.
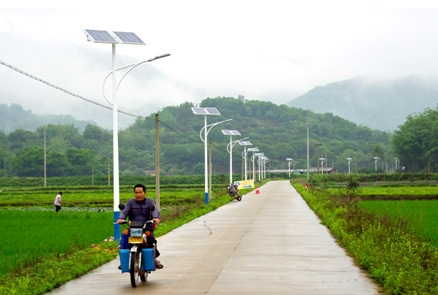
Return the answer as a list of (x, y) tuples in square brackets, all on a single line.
[(28, 236), (422, 215)]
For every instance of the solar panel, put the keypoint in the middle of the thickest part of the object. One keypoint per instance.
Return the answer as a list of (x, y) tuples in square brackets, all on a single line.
[(199, 111), (128, 38), (245, 143), (212, 111), (256, 149), (99, 36), (231, 132)]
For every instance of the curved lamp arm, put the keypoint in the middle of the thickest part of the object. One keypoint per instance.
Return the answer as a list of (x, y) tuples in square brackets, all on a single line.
[(131, 67)]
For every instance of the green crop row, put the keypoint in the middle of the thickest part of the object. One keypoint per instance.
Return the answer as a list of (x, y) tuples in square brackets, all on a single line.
[(398, 191), (101, 196)]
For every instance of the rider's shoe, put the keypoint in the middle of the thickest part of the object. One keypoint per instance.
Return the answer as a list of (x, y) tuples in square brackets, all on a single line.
[(119, 267), (159, 265)]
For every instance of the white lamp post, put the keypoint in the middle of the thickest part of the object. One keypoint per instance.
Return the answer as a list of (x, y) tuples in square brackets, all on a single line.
[(349, 161), (230, 133), (208, 128), (375, 163), (289, 160), (244, 153), (206, 112), (264, 161), (308, 160), (45, 159), (253, 150), (113, 38), (259, 161), (322, 164)]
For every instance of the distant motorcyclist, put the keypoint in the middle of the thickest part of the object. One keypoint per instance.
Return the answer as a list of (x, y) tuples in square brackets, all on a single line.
[(233, 190)]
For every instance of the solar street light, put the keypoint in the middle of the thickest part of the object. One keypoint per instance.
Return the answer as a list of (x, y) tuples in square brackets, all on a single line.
[(245, 143), (259, 161), (322, 165), (253, 150), (349, 161), (230, 133), (113, 38), (289, 160), (206, 112), (375, 163)]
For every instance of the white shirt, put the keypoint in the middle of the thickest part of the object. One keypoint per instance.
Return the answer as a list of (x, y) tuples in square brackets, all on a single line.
[(58, 200)]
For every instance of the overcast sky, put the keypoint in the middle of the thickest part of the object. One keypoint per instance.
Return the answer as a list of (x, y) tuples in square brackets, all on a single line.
[(264, 50)]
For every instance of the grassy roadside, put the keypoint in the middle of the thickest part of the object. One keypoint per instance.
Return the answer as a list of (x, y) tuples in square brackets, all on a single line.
[(56, 270), (398, 259)]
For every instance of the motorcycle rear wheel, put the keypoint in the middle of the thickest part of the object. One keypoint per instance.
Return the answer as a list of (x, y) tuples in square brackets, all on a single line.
[(134, 270)]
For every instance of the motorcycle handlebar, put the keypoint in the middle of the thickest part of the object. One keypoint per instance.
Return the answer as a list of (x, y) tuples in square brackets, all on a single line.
[(124, 221)]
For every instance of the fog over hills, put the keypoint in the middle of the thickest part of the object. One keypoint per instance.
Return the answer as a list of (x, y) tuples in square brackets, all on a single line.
[(381, 104)]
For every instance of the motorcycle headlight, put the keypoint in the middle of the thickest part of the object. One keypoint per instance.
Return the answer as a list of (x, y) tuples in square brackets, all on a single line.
[(136, 232)]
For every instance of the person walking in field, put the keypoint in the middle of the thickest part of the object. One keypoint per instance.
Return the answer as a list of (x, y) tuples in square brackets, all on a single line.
[(58, 202)]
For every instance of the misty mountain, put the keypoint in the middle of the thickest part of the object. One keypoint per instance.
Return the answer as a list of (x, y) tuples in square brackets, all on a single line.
[(14, 117), (375, 103)]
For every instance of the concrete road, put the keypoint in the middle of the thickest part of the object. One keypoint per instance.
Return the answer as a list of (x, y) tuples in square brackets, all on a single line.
[(269, 243)]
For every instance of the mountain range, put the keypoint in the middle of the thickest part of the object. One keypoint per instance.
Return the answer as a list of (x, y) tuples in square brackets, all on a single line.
[(381, 104)]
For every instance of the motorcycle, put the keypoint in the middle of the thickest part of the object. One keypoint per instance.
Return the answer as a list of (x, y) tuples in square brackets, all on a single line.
[(233, 191), (137, 251)]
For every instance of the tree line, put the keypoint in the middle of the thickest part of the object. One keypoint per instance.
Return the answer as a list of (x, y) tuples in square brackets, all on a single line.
[(278, 131)]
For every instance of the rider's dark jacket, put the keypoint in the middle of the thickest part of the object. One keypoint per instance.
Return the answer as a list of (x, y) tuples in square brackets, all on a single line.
[(140, 211)]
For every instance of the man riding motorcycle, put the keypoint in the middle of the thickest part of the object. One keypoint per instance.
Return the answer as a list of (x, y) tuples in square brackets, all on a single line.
[(141, 209)]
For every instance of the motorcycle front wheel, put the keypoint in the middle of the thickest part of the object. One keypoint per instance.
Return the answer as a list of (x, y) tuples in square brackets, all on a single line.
[(135, 271)]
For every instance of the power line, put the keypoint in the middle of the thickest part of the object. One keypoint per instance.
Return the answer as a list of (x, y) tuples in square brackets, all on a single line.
[(177, 132), (63, 90), (85, 99)]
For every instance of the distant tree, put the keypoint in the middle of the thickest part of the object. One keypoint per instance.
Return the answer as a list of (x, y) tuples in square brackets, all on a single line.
[(97, 133), (21, 139), (80, 161), (6, 158), (57, 164), (379, 152), (415, 143), (29, 163)]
